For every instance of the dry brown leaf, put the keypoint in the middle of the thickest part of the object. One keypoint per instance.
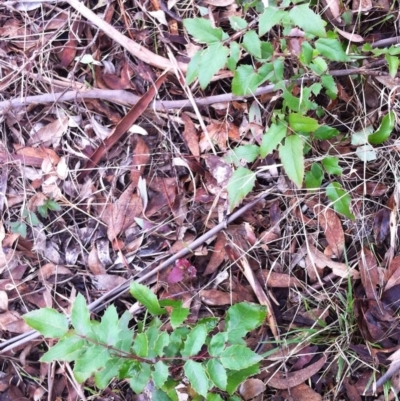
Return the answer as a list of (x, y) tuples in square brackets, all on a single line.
[(141, 156), (279, 280), (368, 267), (217, 256), (190, 136), (3, 301), (381, 227), (220, 170), (219, 298), (250, 388), (302, 392), (350, 36), (51, 133), (284, 381), (51, 272), (361, 5), (94, 264), (332, 227), (392, 274), (120, 215), (107, 282)]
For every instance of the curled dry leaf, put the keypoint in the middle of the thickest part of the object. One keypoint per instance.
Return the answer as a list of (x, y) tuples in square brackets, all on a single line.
[(283, 381), (350, 36), (392, 275), (107, 282), (141, 156), (302, 392), (51, 133), (279, 280), (190, 136), (332, 227), (217, 256), (368, 267), (251, 388), (94, 263), (219, 298)]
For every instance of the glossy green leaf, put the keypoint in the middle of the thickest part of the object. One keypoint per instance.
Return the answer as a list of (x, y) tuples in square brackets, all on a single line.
[(247, 153), (160, 373), (217, 373), (238, 357), (246, 80), (48, 322), (300, 123), (139, 381), (160, 395), (19, 227), (109, 372), (80, 316), (217, 343), (313, 178), (193, 68), (267, 51), (161, 342), (330, 85), (393, 63), (384, 131), (53, 205), (141, 345), (92, 360), (325, 132), (307, 20), (237, 377), (234, 55), (331, 49), (292, 158), (306, 54), (269, 18), (272, 138), (108, 330), (239, 186), (242, 318), (214, 397), (196, 374), (195, 340), (319, 65), (212, 59), (68, 349), (340, 198), (147, 298), (237, 23), (252, 44), (178, 316), (202, 30), (331, 165)]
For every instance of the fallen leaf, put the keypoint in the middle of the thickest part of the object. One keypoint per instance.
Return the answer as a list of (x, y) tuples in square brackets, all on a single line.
[(120, 215), (368, 267), (220, 298), (381, 227), (190, 136), (392, 275), (302, 392), (51, 133), (141, 156), (350, 36), (250, 388), (217, 256), (282, 381)]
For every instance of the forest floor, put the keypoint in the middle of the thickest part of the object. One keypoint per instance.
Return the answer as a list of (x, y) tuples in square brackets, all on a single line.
[(100, 185)]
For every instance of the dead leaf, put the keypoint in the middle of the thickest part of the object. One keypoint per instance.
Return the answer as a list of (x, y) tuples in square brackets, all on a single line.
[(284, 381), (190, 136), (217, 256), (350, 36), (220, 170), (250, 388), (219, 3), (302, 392), (107, 282), (120, 215), (141, 156), (3, 301), (381, 227), (94, 264), (220, 298), (279, 280), (332, 227), (369, 273), (392, 275), (51, 133)]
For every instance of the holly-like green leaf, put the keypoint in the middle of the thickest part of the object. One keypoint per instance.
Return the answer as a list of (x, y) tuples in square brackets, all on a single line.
[(217, 373), (331, 165), (242, 318), (161, 342), (340, 198), (202, 30), (306, 54), (272, 138), (139, 381), (319, 65), (212, 59), (237, 23), (147, 298), (252, 44), (214, 397), (300, 123), (217, 343), (193, 68), (325, 132), (248, 153), (331, 49), (92, 360), (68, 349), (384, 130), (160, 395), (307, 20), (246, 80), (104, 376), (238, 357), (313, 178), (141, 345), (330, 85), (197, 377), (160, 374), (53, 205), (178, 315), (239, 186), (80, 316), (237, 377), (48, 322), (108, 330), (195, 340), (234, 54), (291, 155), (269, 18), (393, 63)]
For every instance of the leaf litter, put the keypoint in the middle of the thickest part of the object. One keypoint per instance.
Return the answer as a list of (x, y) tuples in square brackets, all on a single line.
[(135, 186)]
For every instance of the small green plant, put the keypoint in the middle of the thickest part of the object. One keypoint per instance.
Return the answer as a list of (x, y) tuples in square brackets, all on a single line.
[(30, 218), (211, 361), (292, 131)]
